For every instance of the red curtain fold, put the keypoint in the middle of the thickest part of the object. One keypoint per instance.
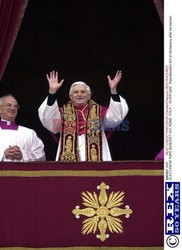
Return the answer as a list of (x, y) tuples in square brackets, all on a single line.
[(159, 4), (11, 15)]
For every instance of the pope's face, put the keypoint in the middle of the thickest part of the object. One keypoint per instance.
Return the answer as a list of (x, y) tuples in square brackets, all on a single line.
[(9, 108), (79, 96)]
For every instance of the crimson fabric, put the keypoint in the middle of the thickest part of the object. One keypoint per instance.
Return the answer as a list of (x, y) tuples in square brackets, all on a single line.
[(36, 211), (159, 4), (11, 14), (160, 155)]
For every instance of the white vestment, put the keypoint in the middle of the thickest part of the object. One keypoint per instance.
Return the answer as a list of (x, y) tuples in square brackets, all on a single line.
[(26, 139), (114, 116)]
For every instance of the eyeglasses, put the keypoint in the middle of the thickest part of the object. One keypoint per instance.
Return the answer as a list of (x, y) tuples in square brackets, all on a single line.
[(10, 105)]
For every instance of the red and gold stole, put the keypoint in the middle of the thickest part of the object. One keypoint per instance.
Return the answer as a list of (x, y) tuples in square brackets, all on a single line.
[(93, 133)]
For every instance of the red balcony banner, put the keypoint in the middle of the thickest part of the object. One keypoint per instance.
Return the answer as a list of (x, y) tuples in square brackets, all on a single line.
[(107, 205)]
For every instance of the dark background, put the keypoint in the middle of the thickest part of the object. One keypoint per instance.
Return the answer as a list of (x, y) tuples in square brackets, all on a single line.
[(87, 40)]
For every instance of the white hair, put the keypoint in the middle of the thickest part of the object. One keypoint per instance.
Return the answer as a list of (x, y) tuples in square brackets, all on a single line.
[(80, 83), (2, 97)]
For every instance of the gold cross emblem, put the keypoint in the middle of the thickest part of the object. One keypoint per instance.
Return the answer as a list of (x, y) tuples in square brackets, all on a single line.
[(102, 212)]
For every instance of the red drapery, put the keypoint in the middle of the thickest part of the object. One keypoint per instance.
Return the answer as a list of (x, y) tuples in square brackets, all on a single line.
[(37, 200), (159, 4), (11, 15)]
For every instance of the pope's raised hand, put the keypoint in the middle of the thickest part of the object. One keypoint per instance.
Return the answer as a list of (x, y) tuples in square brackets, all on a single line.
[(113, 83), (54, 85)]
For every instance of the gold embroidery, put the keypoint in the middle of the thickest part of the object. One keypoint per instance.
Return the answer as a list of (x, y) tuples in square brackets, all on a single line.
[(93, 151), (102, 212), (93, 133), (69, 144), (68, 153), (69, 134), (93, 110), (86, 173), (69, 115)]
